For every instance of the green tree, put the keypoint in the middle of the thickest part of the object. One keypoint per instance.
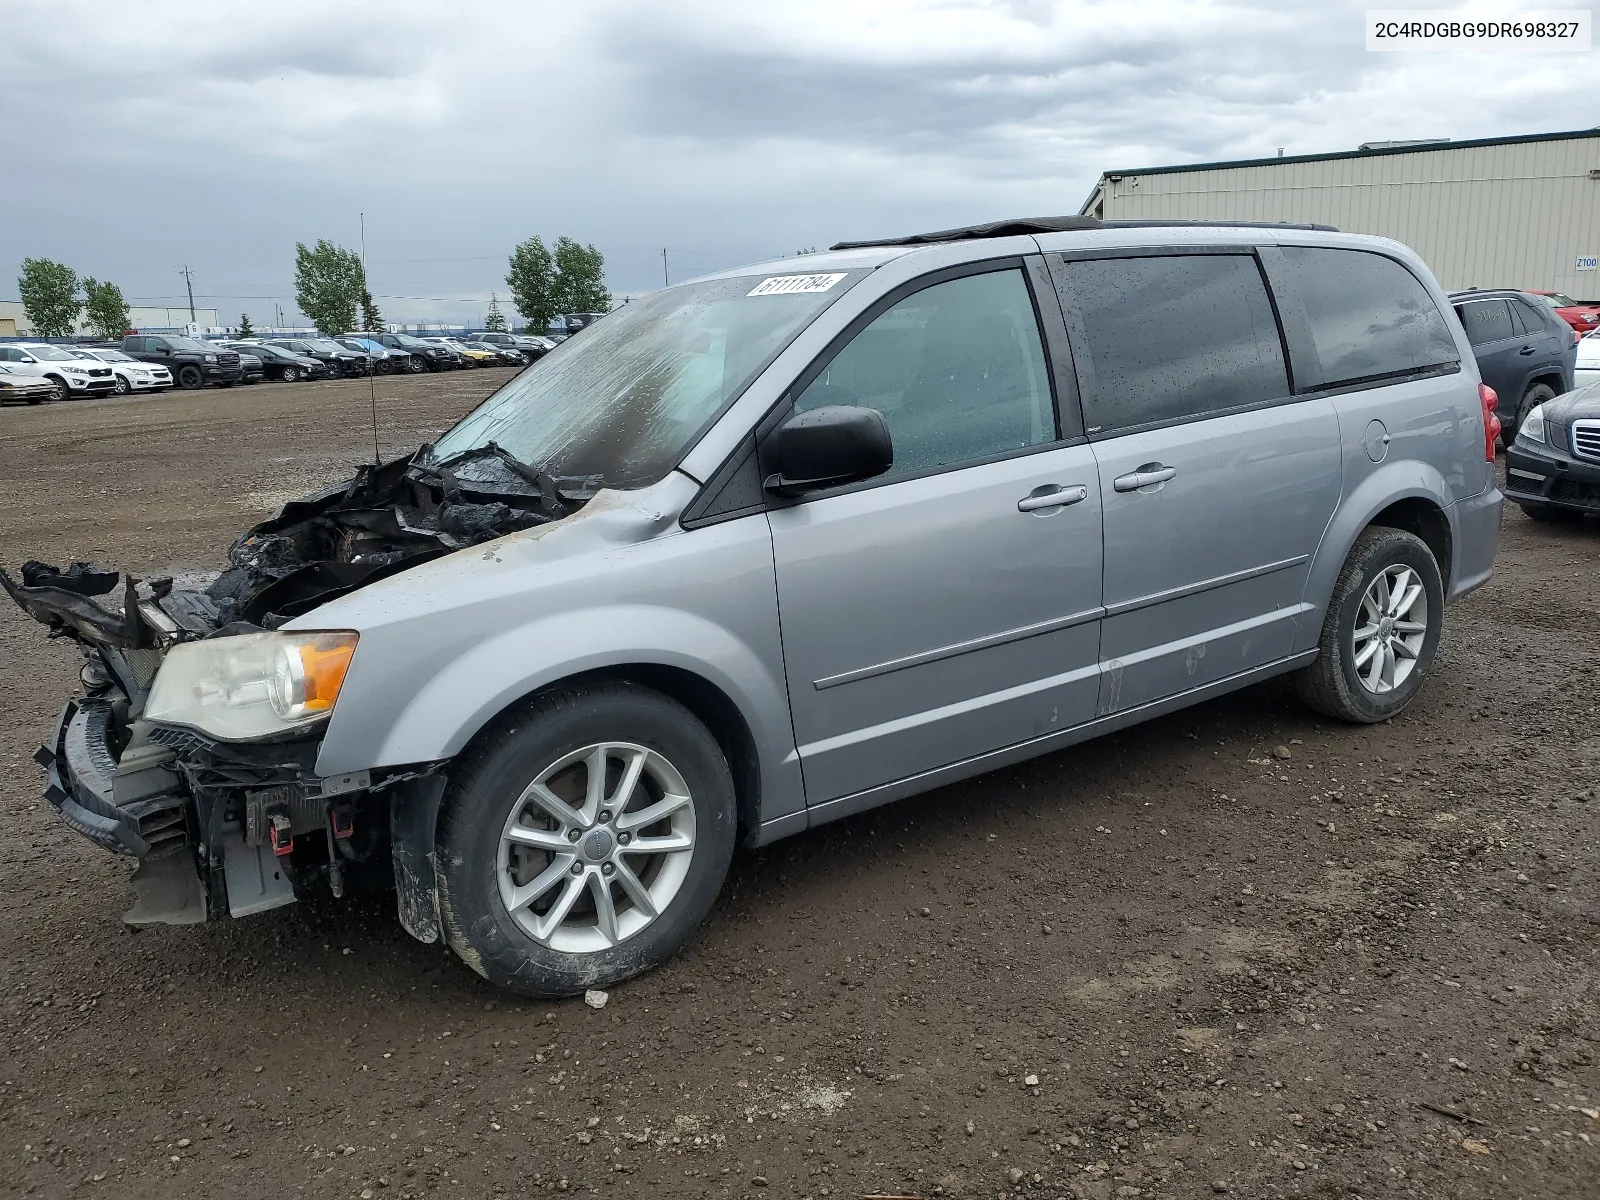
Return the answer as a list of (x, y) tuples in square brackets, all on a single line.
[(495, 321), (580, 278), (532, 279), (105, 311), (371, 318), (49, 296), (245, 328), (328, 284)]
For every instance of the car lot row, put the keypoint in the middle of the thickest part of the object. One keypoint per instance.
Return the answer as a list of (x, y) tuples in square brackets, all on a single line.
[(33, 372)]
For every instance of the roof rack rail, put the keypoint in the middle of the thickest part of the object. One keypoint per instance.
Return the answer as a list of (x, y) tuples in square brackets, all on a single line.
[(1028, 225)]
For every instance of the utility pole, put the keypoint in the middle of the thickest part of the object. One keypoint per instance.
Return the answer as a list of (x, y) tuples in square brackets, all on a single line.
[(666, 279), (189, 282)]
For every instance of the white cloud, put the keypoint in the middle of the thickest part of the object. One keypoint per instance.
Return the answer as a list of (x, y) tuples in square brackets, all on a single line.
[(143, 135)]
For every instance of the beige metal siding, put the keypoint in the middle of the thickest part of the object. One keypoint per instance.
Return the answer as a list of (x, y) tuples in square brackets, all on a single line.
[(1515, 215)]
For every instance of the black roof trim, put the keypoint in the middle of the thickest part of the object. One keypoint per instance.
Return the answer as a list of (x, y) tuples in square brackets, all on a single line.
[(1430, 148), (1028, 225), (992, 229)]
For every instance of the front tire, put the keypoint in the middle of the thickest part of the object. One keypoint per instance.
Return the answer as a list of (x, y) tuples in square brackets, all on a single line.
[(63, 392), (1549, 514), (583, 839), (1381, 630), (123, 386), (291, 374), (190, 379)]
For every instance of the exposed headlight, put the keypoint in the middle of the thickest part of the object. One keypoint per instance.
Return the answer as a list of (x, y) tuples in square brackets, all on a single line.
[(254, 685), (1532, 426)]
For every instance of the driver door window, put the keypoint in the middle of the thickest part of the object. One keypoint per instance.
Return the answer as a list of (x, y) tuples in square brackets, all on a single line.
[(957, 370)]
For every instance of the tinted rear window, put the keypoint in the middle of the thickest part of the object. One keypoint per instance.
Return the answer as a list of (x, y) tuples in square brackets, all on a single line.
[(1175, 337), (1486, 321), (1370, 317)]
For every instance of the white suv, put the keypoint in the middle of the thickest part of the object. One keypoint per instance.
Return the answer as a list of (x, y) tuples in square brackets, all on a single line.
[(71, 376), (130, 374)]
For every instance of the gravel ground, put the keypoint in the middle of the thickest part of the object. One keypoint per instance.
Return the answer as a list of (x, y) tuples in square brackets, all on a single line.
[(1240, 950)]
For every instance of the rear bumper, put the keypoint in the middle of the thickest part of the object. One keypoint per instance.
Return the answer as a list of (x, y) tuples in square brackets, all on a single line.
[(1541, 474), (1477, 537)]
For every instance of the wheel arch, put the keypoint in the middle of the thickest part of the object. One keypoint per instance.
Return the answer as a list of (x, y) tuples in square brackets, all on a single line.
[(1406, 495)]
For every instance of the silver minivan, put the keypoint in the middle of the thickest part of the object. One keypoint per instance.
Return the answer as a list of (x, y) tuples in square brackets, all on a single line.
[(776, 546)]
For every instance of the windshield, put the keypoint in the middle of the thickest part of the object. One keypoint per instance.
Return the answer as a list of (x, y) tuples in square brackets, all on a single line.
[(50, 353), (1558, 300), (183, 343), (624, 401), (113, 356), (406, 339), (326, 345)]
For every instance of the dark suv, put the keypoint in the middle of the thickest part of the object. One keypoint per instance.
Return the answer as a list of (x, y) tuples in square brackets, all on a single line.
[(1524, 350), (193, 364), (340, 361), (434, 356)]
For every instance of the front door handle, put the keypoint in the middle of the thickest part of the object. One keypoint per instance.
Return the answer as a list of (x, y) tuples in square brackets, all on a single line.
[(1055, 497), (1145, 476)]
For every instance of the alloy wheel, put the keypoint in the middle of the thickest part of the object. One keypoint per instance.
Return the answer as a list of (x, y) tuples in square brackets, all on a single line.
[(596, 847), (1390, 628)]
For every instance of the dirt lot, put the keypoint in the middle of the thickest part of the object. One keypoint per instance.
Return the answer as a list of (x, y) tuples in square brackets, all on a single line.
[(1239, 950)]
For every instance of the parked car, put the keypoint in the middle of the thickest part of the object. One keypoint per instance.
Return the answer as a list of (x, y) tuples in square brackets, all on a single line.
[(70, 376), (131, 374), (384, 360), (1582, 315), (1586, 363), (278, 363), (537, 667), (341, 362), (470, 355), (1553, 466), (432, 357), (193, 363), (527, 348), (1523, 350), (28, 389)]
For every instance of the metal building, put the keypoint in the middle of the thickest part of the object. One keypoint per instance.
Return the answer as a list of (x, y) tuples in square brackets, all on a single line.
[(1519, 212)]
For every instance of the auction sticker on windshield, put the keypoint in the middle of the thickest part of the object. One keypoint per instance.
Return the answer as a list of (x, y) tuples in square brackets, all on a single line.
[(788, 285)]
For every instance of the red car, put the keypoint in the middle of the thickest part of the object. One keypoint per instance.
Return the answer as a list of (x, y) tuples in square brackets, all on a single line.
[(1581, 315)]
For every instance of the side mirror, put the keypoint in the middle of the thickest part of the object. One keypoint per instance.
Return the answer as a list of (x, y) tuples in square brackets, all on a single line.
[(827, 447), (28, 359)]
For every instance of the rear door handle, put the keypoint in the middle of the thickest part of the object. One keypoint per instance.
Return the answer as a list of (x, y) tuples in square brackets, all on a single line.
[(1146, 475), (1526, 350), (1056, 497)]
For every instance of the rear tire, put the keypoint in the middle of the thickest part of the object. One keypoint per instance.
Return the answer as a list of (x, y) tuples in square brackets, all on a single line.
[(1536, 395), (498, 844), (1373, 655)]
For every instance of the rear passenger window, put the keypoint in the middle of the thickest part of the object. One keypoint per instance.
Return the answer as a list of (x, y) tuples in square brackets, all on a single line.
[(1370, 317), (957, 370), (1173, 338), (1486, 321)]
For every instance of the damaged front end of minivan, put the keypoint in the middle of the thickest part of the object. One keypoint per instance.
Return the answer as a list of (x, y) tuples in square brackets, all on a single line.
[(225, 810)]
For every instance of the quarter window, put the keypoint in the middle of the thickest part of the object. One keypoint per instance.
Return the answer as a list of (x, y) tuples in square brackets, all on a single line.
[(1486, 321), (1370, 317), (1175, 337), (957, 370)]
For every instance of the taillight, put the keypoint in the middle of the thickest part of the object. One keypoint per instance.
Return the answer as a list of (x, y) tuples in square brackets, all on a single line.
[(1491, 419)]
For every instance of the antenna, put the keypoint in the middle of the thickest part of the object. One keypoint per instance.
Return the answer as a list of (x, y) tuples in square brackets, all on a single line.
[(372, 370), (188, 279), (666, 280)]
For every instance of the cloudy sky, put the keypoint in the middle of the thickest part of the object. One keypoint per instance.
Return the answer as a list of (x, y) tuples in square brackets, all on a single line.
[(142, 134)]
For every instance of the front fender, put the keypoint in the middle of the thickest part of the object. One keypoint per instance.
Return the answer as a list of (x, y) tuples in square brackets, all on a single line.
[(1401, 480), (464, 697)]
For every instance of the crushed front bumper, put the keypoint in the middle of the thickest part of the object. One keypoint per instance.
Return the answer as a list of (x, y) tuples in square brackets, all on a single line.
[(79, 766)]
